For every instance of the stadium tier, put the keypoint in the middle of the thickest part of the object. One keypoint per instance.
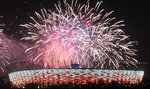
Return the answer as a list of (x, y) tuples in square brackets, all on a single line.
[(51, 77)]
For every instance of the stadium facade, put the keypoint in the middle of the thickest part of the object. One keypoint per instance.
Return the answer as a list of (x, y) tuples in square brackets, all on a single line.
[(52, 77)]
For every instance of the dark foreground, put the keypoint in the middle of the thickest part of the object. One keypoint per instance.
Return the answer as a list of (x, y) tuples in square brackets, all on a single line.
[(145, 85)]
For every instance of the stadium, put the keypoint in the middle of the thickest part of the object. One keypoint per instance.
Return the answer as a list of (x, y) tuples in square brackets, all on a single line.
[(25, 74), (50, 77)]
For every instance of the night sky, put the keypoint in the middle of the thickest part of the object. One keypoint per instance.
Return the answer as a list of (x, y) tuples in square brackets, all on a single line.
[(135, 14)]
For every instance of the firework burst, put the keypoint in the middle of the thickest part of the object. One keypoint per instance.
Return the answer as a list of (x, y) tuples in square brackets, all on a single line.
[(78, 34), (4, 54)]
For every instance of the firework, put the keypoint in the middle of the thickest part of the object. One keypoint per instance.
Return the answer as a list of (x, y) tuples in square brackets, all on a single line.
[(78, 34), (4, 54), (10, 52)]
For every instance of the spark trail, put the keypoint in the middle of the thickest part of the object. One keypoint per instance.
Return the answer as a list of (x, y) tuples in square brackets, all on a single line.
[(4, 54)]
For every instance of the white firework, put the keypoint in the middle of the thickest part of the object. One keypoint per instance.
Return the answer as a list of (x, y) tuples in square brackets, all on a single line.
[(4, 54), (78, 34)]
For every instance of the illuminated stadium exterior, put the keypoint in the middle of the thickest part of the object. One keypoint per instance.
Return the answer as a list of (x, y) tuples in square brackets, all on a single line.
[(49, 77)]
